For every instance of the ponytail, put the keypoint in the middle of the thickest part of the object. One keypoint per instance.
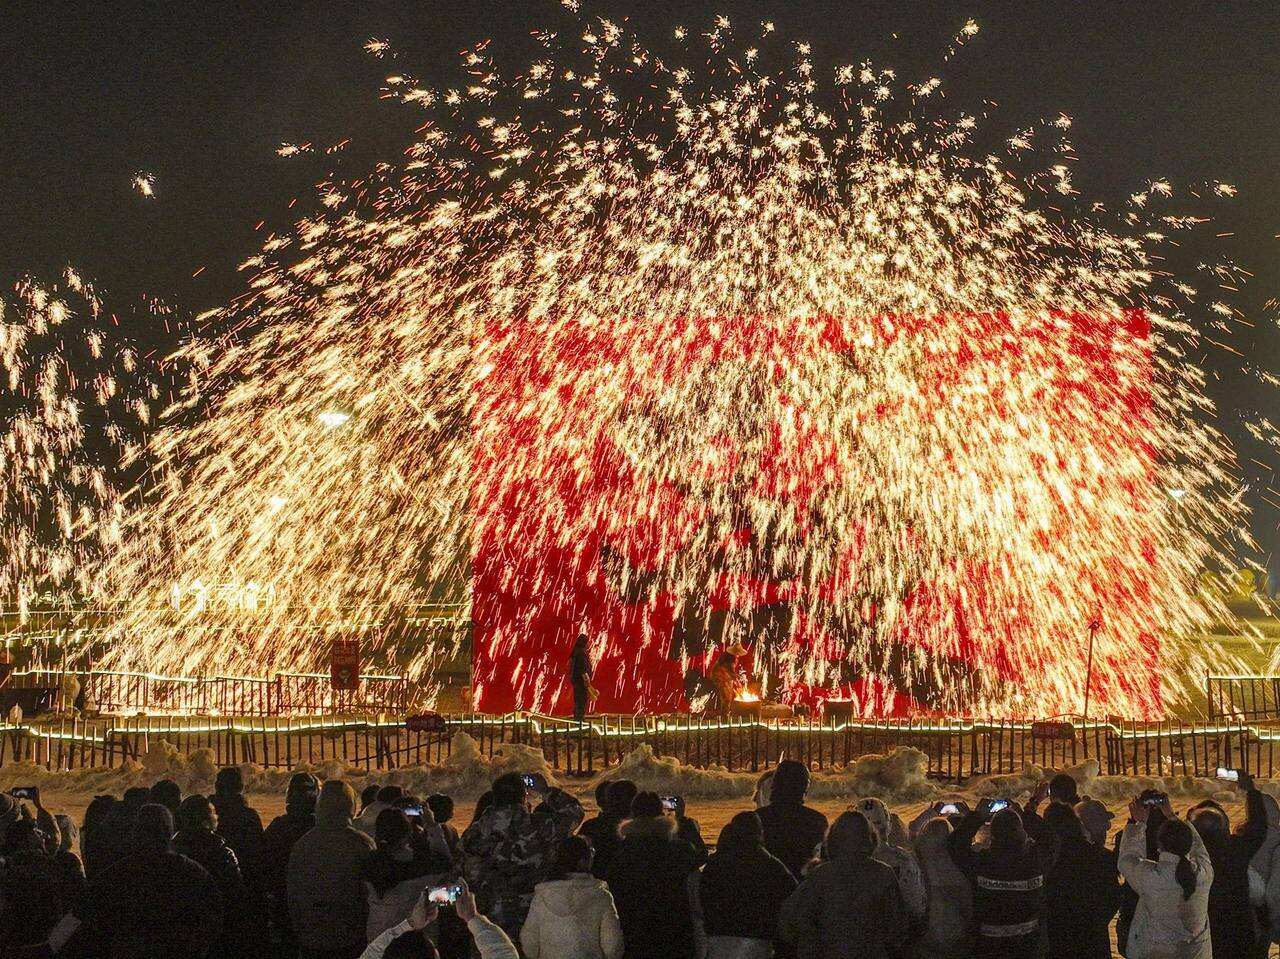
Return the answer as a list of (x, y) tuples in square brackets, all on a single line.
[(1185, 873), (1175, 836)]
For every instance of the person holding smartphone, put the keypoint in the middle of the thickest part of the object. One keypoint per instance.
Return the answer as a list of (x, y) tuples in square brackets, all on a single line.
[(1232, 923), (1007, 879), (509, 848), (1172, 915)]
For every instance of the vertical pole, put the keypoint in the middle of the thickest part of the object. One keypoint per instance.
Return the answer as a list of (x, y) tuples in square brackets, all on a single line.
[(1094, 625)]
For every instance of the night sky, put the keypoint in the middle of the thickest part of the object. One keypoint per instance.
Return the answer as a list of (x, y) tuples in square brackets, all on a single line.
[(202, 94)]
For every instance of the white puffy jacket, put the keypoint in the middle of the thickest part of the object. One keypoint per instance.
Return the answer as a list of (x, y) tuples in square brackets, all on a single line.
[(573, 918)]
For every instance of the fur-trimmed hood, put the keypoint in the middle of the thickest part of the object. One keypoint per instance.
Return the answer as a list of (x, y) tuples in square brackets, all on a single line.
[(650, 827)]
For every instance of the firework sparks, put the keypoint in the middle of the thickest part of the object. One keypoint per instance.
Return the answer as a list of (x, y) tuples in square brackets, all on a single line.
[(145, 184), (944, 388)]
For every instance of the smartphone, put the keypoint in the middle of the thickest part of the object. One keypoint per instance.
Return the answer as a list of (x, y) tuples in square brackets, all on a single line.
[(530, 782), (670, 803), (1157, 799), (998, 805), (1225, 774), (949, 809), (412, 810), (24, 792), (443, 895)]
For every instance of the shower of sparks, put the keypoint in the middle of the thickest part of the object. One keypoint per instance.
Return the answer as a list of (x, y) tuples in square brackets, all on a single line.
[(674, 242), (145, 184), (76, 403)]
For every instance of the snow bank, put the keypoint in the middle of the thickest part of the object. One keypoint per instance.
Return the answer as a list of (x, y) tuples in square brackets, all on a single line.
[(896, 777)]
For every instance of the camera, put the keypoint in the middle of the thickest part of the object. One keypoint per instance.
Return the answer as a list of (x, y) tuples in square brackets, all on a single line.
[(948, 809), (24, 792), (1228, 775), (1156, 799), (670, 803)]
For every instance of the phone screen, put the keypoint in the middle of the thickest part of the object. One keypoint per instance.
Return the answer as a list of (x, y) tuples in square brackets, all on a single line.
[(999, 804), (443, 895), (1228, 775), (948, 809), (530, 782), (1157, 800), (413, 810), (670, 803)]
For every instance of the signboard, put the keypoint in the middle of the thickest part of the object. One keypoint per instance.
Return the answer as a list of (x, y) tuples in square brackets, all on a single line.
[(425, 723), (344, 664)]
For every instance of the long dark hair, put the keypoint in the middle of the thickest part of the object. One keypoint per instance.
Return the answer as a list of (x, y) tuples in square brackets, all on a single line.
[(1175, 837)]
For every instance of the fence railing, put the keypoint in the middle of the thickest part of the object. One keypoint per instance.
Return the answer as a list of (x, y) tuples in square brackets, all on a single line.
[(287, 693), (956, 750), (1252, 699)]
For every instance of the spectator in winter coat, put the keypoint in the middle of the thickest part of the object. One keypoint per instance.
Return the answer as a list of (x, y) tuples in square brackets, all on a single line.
[(509, 849), (69, 863), (152, 904), (35, 889), (1096, 820), (1082, 890), (648, 877), (792, 831), (197, 840), (94, 848), (395, 875), (278, 840), (441, 807), (897, 857), (573, 914), (326, 894), (1007, 880), (1264, 877), (1156, 803), (1232, 922), (602, 830), (367, 821), (848, 906), (239, 825), (947, 931), (1172, 916), (726, 923)]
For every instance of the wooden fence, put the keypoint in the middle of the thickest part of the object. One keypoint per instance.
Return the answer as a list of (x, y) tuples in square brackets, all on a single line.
[(955, 750), (285, 694)]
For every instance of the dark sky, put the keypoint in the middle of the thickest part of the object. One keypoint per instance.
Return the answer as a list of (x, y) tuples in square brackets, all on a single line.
[(201, 93)]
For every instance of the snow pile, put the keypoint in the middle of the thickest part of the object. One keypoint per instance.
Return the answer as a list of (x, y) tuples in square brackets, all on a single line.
[(896, 777), (1115, 791)]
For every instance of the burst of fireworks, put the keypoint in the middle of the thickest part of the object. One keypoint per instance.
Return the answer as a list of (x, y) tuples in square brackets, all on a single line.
[(75, 405), (946, 391), (145, 184)]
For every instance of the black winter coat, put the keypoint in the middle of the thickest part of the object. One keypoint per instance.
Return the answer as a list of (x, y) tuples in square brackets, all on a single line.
[(1082, 895), (602, 830), (792, 831), (649, 881), (742, 892), (241, 827), (212, 853)]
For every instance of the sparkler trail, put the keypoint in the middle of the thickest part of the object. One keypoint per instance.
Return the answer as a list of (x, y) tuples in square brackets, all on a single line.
[(77, 397), (661, 341)]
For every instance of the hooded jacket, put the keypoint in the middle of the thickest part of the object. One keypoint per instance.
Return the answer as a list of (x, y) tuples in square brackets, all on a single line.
[(326, 895), (648, 878), (572, 918), (948, 897), (846, 908), (508, 851), (792, 831)]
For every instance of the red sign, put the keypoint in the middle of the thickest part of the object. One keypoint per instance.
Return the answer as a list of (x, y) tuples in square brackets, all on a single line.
[(344, 665), (425, 723)]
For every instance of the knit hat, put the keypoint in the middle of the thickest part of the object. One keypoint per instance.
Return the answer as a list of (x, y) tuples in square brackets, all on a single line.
[(1095, 817), (877, 814)]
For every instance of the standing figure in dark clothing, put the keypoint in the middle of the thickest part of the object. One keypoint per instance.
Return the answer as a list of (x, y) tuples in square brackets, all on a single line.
[(198, 841), (1082, 890), (792, 831), (1232, 925), (277, 842), (602, 830), (580, 677), (152, 904), (1008, 883)]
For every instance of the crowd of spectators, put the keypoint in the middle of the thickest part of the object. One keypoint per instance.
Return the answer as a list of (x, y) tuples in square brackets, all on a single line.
[(388, 875)]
